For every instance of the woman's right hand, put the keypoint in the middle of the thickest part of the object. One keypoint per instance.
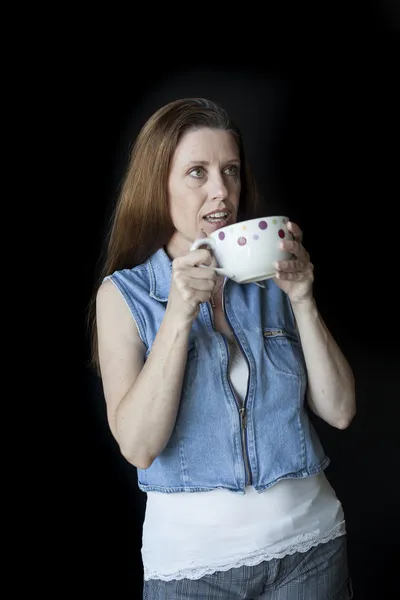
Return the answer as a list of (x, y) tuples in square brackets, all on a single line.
[(191, 285)]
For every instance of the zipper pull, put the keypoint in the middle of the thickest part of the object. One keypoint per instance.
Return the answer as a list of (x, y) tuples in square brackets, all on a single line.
[(243, 417)]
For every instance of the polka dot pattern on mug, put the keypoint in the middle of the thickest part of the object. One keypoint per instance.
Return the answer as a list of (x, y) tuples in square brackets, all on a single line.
[(263, 225)]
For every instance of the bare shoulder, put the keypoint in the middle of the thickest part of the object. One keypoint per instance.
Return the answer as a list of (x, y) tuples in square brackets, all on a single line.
[(113, 314), (108, 296)]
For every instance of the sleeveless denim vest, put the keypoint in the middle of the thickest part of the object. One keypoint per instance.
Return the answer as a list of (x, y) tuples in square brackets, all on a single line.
[(217, 442)]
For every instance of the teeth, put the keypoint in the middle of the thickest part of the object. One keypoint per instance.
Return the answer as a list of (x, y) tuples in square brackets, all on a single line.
[(217, 215)]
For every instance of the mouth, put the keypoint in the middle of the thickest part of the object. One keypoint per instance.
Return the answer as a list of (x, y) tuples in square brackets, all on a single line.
[(218, 217)]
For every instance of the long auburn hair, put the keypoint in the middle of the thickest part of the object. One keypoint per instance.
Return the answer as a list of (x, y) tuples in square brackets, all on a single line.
[(141, 223)]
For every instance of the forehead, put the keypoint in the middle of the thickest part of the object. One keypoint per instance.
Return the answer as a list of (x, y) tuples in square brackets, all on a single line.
[(212, 145)]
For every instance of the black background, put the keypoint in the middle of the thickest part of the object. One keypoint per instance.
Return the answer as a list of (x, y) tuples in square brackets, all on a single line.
[(320, 126)]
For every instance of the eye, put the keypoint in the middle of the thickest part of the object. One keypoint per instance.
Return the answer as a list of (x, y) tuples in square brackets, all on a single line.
[(197, 172), (231, 170)]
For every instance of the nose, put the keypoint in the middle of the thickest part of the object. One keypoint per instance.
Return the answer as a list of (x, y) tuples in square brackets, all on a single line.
[(218, 189)]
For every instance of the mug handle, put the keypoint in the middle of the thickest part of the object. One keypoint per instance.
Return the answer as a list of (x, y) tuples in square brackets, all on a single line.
[(211, 244)]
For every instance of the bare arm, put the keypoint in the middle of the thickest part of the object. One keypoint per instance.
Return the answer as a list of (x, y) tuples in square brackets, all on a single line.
[(331, 393), (143, 397), (331, 390)]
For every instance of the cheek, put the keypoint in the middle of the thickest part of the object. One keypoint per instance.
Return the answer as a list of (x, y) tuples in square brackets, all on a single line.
[(185, 205), (235, 194)]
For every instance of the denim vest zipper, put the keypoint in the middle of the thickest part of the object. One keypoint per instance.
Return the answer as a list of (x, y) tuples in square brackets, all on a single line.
[(242, 406)]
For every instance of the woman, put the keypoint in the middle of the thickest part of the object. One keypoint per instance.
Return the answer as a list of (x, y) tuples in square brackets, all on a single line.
[(206, 381)]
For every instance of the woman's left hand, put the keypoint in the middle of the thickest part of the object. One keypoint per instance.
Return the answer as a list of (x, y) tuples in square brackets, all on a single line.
[(295, 276)]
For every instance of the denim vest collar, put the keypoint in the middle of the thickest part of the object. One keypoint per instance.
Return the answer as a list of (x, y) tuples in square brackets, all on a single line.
[(159, 267)]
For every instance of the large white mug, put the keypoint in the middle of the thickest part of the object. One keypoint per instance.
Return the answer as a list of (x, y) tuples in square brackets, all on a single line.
[(246, 251)]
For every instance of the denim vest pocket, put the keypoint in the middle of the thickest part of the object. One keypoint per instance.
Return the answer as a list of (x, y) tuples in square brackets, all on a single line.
[(284, 351), (191, 366)]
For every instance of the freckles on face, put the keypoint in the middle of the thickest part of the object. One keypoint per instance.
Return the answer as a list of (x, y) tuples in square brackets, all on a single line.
[(204, 177)]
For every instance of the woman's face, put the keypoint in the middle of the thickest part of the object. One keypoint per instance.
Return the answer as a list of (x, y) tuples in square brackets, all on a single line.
[(203, 186)]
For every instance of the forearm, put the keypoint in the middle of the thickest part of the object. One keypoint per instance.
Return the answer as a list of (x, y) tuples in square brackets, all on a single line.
[(146, 415), (331, 387)]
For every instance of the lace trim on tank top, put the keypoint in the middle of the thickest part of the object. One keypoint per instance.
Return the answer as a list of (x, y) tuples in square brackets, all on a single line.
[(302, 543)]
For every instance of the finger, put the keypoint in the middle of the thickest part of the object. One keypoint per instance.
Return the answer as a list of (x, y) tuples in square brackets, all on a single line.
[(291, 265), (295, 231), (201, 273), (201, 285), (203, 279), (195, 258), (307, 275), (290, 275), (296, 249), (213, 262), (197, 296)]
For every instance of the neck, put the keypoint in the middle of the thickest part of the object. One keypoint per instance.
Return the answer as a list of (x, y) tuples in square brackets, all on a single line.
[(177, 246)]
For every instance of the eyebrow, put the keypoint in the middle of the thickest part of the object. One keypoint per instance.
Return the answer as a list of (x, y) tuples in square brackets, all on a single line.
[(206, 162)]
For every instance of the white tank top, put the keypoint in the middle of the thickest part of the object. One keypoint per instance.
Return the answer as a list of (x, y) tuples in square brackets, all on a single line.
[(191, 534)]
